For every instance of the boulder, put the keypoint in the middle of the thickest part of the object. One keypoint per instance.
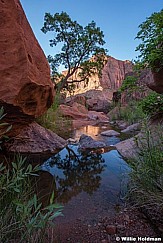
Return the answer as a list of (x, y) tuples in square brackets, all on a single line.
[(87, 142), (76, 99), (80, 112), (77, 111), (98, 116), (158, 82), (121, 124), (26, 90), (35, 139), (110, 133), (96, 104), (132, 128), (154, 80), (127, 148)]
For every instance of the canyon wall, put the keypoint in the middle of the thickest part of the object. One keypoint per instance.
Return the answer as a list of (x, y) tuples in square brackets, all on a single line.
[(113, 74)]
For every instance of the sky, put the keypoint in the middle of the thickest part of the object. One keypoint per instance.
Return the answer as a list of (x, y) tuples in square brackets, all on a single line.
[(118, 19)]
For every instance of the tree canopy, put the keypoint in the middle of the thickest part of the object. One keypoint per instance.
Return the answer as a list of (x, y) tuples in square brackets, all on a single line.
[(151, 46), (81, 50)]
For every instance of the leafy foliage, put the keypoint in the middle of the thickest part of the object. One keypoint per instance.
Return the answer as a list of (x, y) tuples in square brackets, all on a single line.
[(151, 47), (131, 113), (22, 217), (129, 84), (4, 126), (146, 185), (152, 104), (79, 44)]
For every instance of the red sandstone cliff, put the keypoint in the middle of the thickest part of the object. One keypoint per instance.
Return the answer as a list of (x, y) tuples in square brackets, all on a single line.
[(26, 87), (114, 73), (26, 90)]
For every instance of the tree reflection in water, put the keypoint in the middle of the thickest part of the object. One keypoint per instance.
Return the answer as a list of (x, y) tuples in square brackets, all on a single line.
[(74, 172)]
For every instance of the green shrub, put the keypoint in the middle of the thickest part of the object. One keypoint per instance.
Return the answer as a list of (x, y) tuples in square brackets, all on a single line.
[(146, 185), (4, 127), (151, 42), (131, 113), (152, 104), (22, 217), (129, 84), (57, 123)]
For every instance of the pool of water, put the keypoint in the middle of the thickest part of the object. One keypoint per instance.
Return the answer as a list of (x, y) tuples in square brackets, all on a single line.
[(94, 132), (88, 184)]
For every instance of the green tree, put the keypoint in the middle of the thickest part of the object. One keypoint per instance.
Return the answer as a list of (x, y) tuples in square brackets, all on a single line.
[(81, 52), (151, 46)]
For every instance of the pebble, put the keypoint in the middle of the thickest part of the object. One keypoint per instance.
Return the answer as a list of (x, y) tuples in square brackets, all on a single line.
[(104, 241), (111, 229)]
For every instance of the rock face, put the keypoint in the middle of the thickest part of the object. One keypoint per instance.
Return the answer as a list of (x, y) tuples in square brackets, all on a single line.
[(26, 89), (35, 139), (96, 100), (114, 73)]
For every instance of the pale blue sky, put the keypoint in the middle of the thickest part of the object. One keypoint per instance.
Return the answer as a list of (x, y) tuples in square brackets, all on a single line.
[(118, 19)]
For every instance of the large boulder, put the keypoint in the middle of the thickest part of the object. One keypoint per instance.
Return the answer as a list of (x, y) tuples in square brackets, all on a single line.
[(26, 90), (154, 80), (35, 139), (157, 84)]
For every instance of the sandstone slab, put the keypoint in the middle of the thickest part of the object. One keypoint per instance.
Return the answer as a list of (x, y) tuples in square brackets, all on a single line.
[(127, 148), (35, 139), (26, 87)]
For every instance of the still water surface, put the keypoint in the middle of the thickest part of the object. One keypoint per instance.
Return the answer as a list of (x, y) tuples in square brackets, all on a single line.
[(89, 184)]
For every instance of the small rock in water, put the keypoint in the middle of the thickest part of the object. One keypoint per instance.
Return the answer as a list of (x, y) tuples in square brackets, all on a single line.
[(110, 133), (87, 142)]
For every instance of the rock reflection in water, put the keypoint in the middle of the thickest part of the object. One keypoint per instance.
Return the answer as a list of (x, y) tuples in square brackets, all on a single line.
[(92, 131), (75, 172)]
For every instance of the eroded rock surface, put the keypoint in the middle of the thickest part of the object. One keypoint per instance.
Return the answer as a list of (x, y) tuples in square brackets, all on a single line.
[(25, 87), (114, 73)]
